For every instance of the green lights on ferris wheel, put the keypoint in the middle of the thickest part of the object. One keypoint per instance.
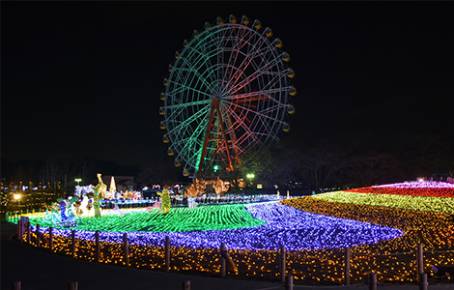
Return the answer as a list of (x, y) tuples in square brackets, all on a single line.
[(255, 99)]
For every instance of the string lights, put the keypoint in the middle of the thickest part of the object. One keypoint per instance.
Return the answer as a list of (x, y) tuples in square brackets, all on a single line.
[(269, 225), (383, 231), (419, 203), (412, 188)]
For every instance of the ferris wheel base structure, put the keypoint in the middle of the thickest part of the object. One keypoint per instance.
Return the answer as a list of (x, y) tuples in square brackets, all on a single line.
[(226, 97)]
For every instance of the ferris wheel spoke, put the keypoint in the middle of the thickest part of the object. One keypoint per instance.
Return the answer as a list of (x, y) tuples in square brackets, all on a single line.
[(203, 54), (231, 133), (258, 113), (245, 137), (252, 77), (264, 125), (182, 87), (192, 140), (188, 104), (189, 120), (250, 56), (258, 96), (192, 137), (275, 81), (202, 58), (241, 122), (220, 56), (258, 72), (247, 60), (272, 108), (252, 95), (176, 112), (239, 44), (195, 70), (207, 51), (267, 135), (260, 50), (233, 127), (208, 37)]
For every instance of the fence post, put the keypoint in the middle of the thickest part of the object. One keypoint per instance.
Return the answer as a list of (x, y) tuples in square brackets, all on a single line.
[(20, 228), (51, 238), (38, 239), (167, 253), (126, 248), (423, 284), (17, 285), (283, 263), (187, 285), (22, 224), (74, 285), (419, 261), (223, 260), (73, 243), (289, 285), (97, 247), (372, 281), (29, 232), (348, 253)]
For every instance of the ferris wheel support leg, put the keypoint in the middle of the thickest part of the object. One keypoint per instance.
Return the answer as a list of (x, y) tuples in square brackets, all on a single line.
[(233, 138), (221, 122), (207, 134)]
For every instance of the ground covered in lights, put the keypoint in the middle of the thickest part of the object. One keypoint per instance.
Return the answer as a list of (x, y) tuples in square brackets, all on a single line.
[(246, 227), (381, 224), (202, 218)]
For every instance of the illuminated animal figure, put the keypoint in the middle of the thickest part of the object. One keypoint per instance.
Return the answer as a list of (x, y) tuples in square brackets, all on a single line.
[(100, 192)]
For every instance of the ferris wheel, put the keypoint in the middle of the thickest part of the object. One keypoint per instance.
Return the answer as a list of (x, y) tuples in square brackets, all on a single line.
[(226, 96)]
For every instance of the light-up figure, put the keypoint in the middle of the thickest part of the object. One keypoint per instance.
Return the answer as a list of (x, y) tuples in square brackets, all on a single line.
[(165, 200), (62, 204), (100, 192), (70, 216), (220, 186), (52, 214)]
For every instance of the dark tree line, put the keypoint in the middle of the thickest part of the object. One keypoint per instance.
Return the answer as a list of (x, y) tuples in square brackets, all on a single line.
[(328, 165), (319, 165)]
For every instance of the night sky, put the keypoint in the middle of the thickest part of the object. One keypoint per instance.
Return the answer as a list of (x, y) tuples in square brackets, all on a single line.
[(83, 79)]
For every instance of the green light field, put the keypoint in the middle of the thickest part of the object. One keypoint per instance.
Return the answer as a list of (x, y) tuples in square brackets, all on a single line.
[(218, 217)]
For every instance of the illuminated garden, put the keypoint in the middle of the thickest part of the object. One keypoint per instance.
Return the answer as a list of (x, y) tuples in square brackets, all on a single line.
[(381, 229), (227, 97)]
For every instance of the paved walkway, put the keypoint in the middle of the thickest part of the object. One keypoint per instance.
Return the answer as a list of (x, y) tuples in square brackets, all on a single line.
[(40, 270)]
